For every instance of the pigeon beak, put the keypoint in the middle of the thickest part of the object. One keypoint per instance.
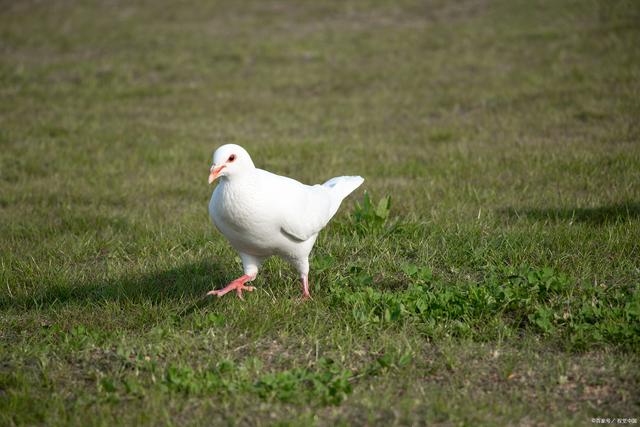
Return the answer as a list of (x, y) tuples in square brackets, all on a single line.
[(215, 172)]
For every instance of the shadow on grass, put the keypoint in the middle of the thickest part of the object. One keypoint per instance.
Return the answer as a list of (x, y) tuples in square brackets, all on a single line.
[(595, 216), (181, 283)]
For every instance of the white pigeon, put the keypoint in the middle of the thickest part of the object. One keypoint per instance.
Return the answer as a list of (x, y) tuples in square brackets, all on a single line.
[(263, 214)]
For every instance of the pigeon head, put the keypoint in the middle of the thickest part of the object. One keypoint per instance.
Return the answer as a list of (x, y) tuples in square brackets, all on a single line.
[(230, 160)]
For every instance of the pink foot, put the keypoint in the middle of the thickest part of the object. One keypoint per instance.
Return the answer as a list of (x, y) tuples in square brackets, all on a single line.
[(305, 288), (237, 284)]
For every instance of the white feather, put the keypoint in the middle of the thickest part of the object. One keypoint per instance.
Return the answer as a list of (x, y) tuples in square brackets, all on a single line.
[(263, 214)]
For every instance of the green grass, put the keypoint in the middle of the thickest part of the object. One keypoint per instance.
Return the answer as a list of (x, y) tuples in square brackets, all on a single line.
[(498, 283)]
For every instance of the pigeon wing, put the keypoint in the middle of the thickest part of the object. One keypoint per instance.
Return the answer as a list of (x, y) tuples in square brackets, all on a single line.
[(307, 212)]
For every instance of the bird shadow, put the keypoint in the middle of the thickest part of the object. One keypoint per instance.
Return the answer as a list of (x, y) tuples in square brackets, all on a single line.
[(594, 216), (181, 283)]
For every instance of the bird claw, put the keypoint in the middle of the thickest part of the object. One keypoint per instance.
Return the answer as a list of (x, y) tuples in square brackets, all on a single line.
[(239, 290), (236, 285), (304, 298)]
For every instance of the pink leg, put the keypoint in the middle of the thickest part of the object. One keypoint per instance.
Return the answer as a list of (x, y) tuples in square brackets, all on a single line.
[(237, 284), (305, 287)]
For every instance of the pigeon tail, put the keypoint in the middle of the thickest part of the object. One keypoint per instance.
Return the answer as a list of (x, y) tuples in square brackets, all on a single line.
[(340, 187)]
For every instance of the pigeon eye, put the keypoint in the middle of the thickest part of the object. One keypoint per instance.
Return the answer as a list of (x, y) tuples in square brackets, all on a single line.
[(231, 158)]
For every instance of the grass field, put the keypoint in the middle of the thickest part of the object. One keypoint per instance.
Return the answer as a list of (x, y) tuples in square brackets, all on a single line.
[(498, 286)]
